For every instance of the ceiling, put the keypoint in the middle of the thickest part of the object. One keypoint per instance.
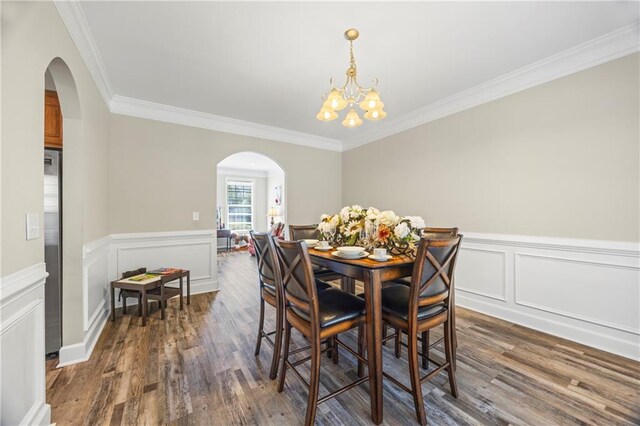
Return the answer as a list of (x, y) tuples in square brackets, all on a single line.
[(250, 161), (268, 62)]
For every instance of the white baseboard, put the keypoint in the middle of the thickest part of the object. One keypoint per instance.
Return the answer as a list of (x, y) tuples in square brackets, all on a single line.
[(79, 352), (41, 416), (586, 291)]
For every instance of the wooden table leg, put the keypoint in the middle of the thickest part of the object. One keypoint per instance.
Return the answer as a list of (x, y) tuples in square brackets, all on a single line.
[(373, 295), (113, 303), (144, 307), (181, 291), (188, 287)]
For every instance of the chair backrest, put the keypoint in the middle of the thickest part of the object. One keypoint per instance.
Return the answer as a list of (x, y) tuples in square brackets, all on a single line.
[(439, 233), (303, 232), (266, 269), (295, 275), (435, 264), (133, 273)]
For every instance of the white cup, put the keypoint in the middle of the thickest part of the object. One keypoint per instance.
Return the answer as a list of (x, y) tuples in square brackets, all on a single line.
[(323, 244), (380, 253)]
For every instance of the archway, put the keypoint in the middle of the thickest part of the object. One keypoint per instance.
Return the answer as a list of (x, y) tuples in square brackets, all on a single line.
[(250, 194), (58, 75)]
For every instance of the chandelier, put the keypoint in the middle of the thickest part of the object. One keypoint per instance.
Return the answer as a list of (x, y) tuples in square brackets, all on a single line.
[(338, 98)]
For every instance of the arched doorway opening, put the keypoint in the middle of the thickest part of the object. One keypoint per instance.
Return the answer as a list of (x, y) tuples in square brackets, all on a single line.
[(250, 195), (63, 208)]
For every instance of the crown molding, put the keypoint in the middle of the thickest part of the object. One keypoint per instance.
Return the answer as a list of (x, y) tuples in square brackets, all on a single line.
[(170, 114), (603, 49), (76, 23)]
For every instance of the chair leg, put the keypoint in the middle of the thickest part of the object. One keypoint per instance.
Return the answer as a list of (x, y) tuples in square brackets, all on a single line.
[(385, 332), (140, 305), (414, 372), (454, 336), (277, 343), (334, 351), (285, 355), (162, 307), (361, 340), (260, 326), (448, 347), (124, 305), (398, 345), (425, 349), (329, 342), (314, 382)]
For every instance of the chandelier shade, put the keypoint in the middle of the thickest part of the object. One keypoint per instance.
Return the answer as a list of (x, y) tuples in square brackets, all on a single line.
[(350, 94)]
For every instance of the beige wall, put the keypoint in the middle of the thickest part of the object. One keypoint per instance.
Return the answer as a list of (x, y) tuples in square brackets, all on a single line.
[(32, 36), (560, 159), (159, 173)]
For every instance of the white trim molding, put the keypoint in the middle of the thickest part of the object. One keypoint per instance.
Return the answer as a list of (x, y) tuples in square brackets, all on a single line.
[(605, 48), (586, 291), (187, 117), (22, 330), (76, 23), (608, 47), (105, 259)]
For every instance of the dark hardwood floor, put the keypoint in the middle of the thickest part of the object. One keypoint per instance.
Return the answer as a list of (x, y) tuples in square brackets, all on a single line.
[(198, 367)]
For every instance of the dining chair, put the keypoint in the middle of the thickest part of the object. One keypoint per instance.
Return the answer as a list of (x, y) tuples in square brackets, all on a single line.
[(434, 234), (317, 315), (311, 232), (416, 309), (270, 294), (124, 294)]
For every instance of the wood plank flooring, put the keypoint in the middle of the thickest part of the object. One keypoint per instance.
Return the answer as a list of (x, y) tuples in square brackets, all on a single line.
[(198, 367)]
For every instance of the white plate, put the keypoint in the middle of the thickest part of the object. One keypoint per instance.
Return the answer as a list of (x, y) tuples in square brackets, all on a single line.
[(323, 248), (340, 255), (350, 250), (387, 257)]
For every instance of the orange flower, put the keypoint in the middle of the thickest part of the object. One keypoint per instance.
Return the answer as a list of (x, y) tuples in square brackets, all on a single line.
[(383, 233)]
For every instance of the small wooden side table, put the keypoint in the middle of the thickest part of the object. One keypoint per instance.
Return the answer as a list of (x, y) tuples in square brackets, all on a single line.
[(153, 289)]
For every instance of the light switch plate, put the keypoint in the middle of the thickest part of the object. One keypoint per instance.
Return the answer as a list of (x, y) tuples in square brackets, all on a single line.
[(196, 215), (33, 226)]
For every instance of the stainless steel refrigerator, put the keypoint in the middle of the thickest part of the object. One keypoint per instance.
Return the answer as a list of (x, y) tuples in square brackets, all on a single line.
[(53, 249)]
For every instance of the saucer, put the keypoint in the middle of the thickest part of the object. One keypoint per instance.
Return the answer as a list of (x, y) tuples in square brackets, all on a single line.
[(360, 256), (323, 248), (387, 257)]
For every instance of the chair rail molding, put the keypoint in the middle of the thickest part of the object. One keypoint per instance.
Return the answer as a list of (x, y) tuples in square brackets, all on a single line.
[(560, 286), (22, 363), (106, 258)]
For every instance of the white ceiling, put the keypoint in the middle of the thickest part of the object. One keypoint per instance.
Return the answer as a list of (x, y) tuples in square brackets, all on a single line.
[(250, 161), (268, 62)]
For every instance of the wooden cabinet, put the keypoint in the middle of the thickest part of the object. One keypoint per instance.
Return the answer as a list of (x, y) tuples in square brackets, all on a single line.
[(52, 120)]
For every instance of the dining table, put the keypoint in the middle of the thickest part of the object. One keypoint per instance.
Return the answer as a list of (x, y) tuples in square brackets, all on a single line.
[(372, 273)]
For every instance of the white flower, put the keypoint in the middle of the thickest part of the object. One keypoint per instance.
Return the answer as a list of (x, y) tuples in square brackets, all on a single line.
[(344, 214), (416, 222), (402, 230), (334, 220), (326, 228), (387, 218), (372, 213), (324, 217)]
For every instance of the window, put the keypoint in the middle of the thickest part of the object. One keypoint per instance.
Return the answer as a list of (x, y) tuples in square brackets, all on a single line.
[(240, 205)]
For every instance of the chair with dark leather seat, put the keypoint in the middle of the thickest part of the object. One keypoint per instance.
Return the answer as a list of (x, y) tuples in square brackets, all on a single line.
[(437, 289), (423, 305), (269, 294), (318, 315)]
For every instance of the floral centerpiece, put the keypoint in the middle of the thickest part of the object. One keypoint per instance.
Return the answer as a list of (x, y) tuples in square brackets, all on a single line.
[(372, 228)]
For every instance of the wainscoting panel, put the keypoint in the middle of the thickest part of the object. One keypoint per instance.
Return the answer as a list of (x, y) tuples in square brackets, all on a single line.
[(582, 290), (22, 369), (482, 272)]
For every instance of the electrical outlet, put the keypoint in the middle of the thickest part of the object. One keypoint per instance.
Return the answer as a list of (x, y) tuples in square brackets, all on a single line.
[(196, 216), (33, 226)]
